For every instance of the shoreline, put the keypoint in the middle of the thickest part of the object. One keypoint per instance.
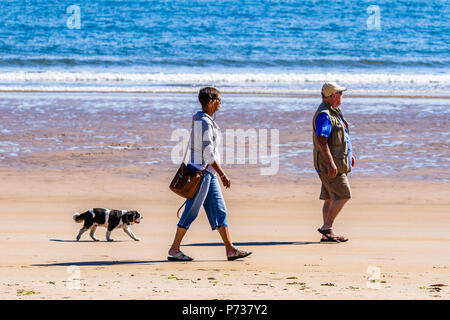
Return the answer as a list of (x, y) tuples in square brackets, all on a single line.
[(294, 93)]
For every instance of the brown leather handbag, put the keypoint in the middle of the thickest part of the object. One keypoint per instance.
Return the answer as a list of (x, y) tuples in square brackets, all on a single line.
[(186, 183)]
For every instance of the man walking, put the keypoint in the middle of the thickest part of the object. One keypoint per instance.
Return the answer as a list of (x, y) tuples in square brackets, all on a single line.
[(333, 157)]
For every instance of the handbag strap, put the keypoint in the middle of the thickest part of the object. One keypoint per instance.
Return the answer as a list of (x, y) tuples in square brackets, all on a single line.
[(178, 216), (187, 148)]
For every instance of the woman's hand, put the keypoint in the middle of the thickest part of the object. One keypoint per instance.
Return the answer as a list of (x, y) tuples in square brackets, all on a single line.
[(225, 181)]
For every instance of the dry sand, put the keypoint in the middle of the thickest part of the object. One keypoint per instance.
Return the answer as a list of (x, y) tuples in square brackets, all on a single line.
[(397, 228)]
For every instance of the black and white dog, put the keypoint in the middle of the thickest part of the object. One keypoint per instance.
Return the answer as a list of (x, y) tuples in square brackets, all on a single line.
[(109, 219)]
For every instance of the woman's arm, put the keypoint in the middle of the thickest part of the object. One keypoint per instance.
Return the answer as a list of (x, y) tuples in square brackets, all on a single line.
[(209, 154), (225, 180)]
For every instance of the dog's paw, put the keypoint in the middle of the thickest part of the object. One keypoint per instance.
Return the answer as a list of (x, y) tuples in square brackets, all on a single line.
[(78, 239), (95, 239), (137, 239)]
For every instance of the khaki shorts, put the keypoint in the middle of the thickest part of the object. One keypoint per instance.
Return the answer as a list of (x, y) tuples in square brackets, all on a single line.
[(337, 188)]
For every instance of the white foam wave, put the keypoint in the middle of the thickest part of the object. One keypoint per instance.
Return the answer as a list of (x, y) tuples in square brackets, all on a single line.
[(232, 90), (223, 78)]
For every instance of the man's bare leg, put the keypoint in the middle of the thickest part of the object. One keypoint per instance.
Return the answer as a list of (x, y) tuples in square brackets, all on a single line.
[(333, 208), (325, 209)]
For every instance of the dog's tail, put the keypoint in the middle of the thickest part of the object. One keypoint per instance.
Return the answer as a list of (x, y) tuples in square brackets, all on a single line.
[(77, 217)]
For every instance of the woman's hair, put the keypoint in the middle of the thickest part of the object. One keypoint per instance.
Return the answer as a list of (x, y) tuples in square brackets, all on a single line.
[(206, 95)]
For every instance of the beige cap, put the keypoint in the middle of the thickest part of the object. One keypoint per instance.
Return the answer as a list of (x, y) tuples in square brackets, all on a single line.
[(330, 88)]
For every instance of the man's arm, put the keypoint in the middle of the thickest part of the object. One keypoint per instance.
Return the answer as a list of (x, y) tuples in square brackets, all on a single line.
[(323, 132), (326, 154)]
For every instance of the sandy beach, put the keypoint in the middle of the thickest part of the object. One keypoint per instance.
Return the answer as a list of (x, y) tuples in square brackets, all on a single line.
[(395, 226), (61, 154)]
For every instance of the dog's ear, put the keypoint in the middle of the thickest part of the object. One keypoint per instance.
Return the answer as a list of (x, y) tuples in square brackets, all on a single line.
[(130, 216)]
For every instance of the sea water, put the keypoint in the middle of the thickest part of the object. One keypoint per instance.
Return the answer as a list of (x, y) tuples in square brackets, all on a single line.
[(379, 48)]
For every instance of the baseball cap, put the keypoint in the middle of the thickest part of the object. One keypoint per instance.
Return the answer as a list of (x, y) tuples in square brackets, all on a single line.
[(330, 88)]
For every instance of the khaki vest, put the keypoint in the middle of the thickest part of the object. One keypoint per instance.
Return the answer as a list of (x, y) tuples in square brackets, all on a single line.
[(336, 141)]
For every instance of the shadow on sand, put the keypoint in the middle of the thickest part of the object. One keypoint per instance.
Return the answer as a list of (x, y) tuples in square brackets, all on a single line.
[(60, 240), (112, 263), (214, 244), (95, 263), (267, 243)]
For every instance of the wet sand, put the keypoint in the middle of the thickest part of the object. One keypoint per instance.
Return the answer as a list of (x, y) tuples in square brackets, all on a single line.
[(393, 137), (61, 155)]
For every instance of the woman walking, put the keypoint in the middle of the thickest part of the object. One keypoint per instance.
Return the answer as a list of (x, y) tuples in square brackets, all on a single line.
[(205, 155)]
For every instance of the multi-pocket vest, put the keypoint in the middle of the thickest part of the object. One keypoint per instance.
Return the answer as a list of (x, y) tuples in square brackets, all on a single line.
[(336, 141)]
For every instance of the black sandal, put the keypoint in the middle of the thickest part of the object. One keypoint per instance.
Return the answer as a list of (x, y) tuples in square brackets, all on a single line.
[(328, 236)]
